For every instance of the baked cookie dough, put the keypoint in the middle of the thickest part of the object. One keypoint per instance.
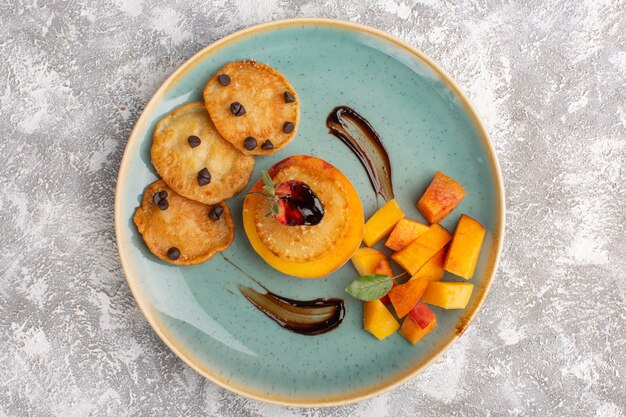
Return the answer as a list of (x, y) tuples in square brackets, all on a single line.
[(253, 106), (181, 231), (194, 160)]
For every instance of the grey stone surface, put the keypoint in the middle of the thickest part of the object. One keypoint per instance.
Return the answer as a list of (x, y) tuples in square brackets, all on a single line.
[(548, 78)]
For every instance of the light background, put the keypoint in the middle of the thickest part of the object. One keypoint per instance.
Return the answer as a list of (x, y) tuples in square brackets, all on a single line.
[(547, 78)]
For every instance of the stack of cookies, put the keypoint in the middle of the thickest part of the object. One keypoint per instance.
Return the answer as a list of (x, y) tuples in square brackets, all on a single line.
[(203, 152)]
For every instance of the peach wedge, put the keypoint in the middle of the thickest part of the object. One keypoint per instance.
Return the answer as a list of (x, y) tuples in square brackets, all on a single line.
[(404, 297), (414, 256), (448, 295), (422, 315), (366, 260), (440, 198), (405, 232), (381, 223), (465, 247), (412, 332), (378, 320), (433, 270)]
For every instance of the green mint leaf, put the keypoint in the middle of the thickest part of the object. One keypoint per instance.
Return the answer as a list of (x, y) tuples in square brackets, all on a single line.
[(268, 190), (267, 180), (370, 287), (275, 209)]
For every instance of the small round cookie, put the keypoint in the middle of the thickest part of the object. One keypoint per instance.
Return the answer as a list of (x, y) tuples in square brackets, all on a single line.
[(181, 231), (253, 106), (195, 160)]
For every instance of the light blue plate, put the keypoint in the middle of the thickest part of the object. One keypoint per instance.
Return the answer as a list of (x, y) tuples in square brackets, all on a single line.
[(426, 124)]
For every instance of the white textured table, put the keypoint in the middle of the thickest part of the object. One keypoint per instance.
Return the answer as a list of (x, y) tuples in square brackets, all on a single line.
[(547, 77)]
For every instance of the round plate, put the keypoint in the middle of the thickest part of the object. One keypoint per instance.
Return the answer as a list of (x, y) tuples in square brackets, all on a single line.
[(427, 125)]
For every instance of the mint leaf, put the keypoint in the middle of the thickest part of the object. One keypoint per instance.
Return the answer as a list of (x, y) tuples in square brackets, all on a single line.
[(268, 190), (275, 209), (370, 287), (267, 180)]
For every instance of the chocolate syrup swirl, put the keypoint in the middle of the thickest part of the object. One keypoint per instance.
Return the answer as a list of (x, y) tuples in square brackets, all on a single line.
[(359, 135), (306, 317), (310, 317)]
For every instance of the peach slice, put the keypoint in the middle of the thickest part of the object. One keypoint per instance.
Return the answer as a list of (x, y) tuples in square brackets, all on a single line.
[(405, 232), (381, 223), (414, 256), (412, 332), (307, 251), (365, 260), (384, 268), (404, 296), (448, 295), (440, 198), (433, 269), (465, 247), (422, 315), (378, 320)]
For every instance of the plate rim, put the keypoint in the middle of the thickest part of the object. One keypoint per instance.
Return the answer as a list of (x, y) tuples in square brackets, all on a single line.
[(373, 390)]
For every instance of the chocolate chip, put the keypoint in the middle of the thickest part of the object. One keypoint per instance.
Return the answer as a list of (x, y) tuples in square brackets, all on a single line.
[(173, 253), (288, 127), (159, 196), (216, 212), (193, 141), (289, 98), (237, 109), (163, 204), (267, 145), (204, 177), (249, 143), (223, 79)]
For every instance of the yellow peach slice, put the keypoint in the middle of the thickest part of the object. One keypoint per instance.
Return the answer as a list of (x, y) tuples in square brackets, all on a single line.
[(448, 295), (405, 232), (378, 320), (465, 247), (381, 223), (414, 256)]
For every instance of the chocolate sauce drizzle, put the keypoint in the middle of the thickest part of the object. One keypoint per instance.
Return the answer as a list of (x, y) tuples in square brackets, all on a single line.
[(306, 317), (359, 135), (310, 317)]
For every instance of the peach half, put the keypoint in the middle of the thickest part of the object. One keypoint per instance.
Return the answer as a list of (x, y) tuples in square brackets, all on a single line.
[(306, 251)]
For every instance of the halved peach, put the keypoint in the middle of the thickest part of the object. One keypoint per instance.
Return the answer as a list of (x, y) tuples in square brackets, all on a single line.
[(306, 251)]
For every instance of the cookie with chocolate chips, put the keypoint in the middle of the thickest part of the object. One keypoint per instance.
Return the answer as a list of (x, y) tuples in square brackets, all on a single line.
[(181, 231), (256, 110), (195, 160)]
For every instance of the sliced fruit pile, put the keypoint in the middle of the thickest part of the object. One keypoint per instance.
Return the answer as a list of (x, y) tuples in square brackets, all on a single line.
[(425, 252)]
